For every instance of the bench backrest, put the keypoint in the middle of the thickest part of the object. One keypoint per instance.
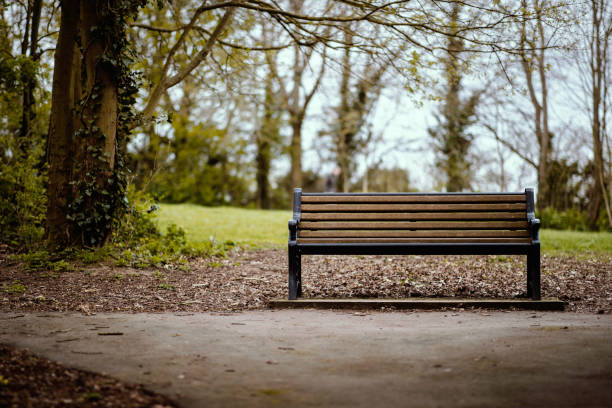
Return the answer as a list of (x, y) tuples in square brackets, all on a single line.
[(413, 217)]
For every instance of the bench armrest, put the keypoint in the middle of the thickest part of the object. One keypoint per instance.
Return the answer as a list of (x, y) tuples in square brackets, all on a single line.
[(534, 229), (293, 230)]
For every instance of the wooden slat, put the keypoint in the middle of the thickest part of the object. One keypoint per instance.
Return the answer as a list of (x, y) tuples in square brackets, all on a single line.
[(413, 216), (458, 198), (412, 207), (410, 240), (409, 234), (419, 225)]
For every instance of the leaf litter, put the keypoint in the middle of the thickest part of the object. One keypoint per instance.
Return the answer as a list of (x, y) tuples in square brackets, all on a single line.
[(249, 279)]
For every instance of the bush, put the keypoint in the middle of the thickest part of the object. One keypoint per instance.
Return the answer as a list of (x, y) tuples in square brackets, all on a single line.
[(22, 170), (139, 220), (136, 242), (572, 219), (22, 202)]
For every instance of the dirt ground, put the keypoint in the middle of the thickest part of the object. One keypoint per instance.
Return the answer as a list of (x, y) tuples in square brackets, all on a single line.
[(247, 280), (28, 380)]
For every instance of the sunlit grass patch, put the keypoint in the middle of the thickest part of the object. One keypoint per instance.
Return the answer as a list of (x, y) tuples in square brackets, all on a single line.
[(259, 228), (268, 228), (576, 243)]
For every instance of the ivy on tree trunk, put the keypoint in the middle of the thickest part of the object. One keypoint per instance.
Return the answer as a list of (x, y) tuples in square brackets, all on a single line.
[(93, 91)]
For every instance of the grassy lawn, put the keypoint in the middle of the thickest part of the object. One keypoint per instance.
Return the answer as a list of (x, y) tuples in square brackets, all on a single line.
[(261, 228), (555, 242)]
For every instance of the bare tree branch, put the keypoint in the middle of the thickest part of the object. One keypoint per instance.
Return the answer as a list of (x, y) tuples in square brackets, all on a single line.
[(167, 82)]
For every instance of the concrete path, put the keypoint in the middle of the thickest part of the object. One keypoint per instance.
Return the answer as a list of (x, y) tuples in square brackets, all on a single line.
[(309, 358)]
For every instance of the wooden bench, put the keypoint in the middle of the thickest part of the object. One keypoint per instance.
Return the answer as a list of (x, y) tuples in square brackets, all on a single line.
[(414, 224)]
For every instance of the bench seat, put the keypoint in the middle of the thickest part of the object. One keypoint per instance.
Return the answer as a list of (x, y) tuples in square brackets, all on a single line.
[(414, 224)]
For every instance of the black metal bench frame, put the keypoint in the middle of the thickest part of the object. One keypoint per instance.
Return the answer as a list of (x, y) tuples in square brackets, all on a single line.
[(296, 250)]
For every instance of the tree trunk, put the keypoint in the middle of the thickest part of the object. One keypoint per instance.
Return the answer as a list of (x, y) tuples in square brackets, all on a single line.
[(295, 151), (598, 48), (61, 128), (262, 160), (95, 151), (265, 135), (453, 141), (533, 59), (599, 188), (345, 118), (83, 185)]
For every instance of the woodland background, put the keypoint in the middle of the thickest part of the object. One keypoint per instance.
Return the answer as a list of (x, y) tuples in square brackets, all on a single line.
[(107, 107)]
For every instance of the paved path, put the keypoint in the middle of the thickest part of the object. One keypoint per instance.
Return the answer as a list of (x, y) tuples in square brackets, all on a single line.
[(326, 358)]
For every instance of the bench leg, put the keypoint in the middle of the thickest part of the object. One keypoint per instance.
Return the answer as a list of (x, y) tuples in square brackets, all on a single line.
[(298, 261), (293, 273), (533, 273)]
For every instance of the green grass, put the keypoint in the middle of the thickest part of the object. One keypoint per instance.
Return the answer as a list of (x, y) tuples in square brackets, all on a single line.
[(259, 228), (556, 242), (268, 228)]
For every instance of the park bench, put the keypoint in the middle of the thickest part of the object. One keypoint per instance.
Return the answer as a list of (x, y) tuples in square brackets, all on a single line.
[(414, 224)]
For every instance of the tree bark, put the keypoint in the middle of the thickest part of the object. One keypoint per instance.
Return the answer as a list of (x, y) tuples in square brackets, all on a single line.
[(344, 118), (83, 129), (540, 105), (264, 137), (61, 128), (295, 151), (598, 48)]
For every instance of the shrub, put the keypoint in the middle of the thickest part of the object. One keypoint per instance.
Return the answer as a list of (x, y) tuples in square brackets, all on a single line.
[(136, 242), (572, 219)]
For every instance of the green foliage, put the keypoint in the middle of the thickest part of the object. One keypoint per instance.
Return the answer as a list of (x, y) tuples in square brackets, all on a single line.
[(22, 173), (22, 202), (136, 242), (499, 258), (92, 256), (563, 184), (138, 221), (90, 397), (35, 260), (16, 72), (203, 167), (571, 219), (14, 288), (62, 266)]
